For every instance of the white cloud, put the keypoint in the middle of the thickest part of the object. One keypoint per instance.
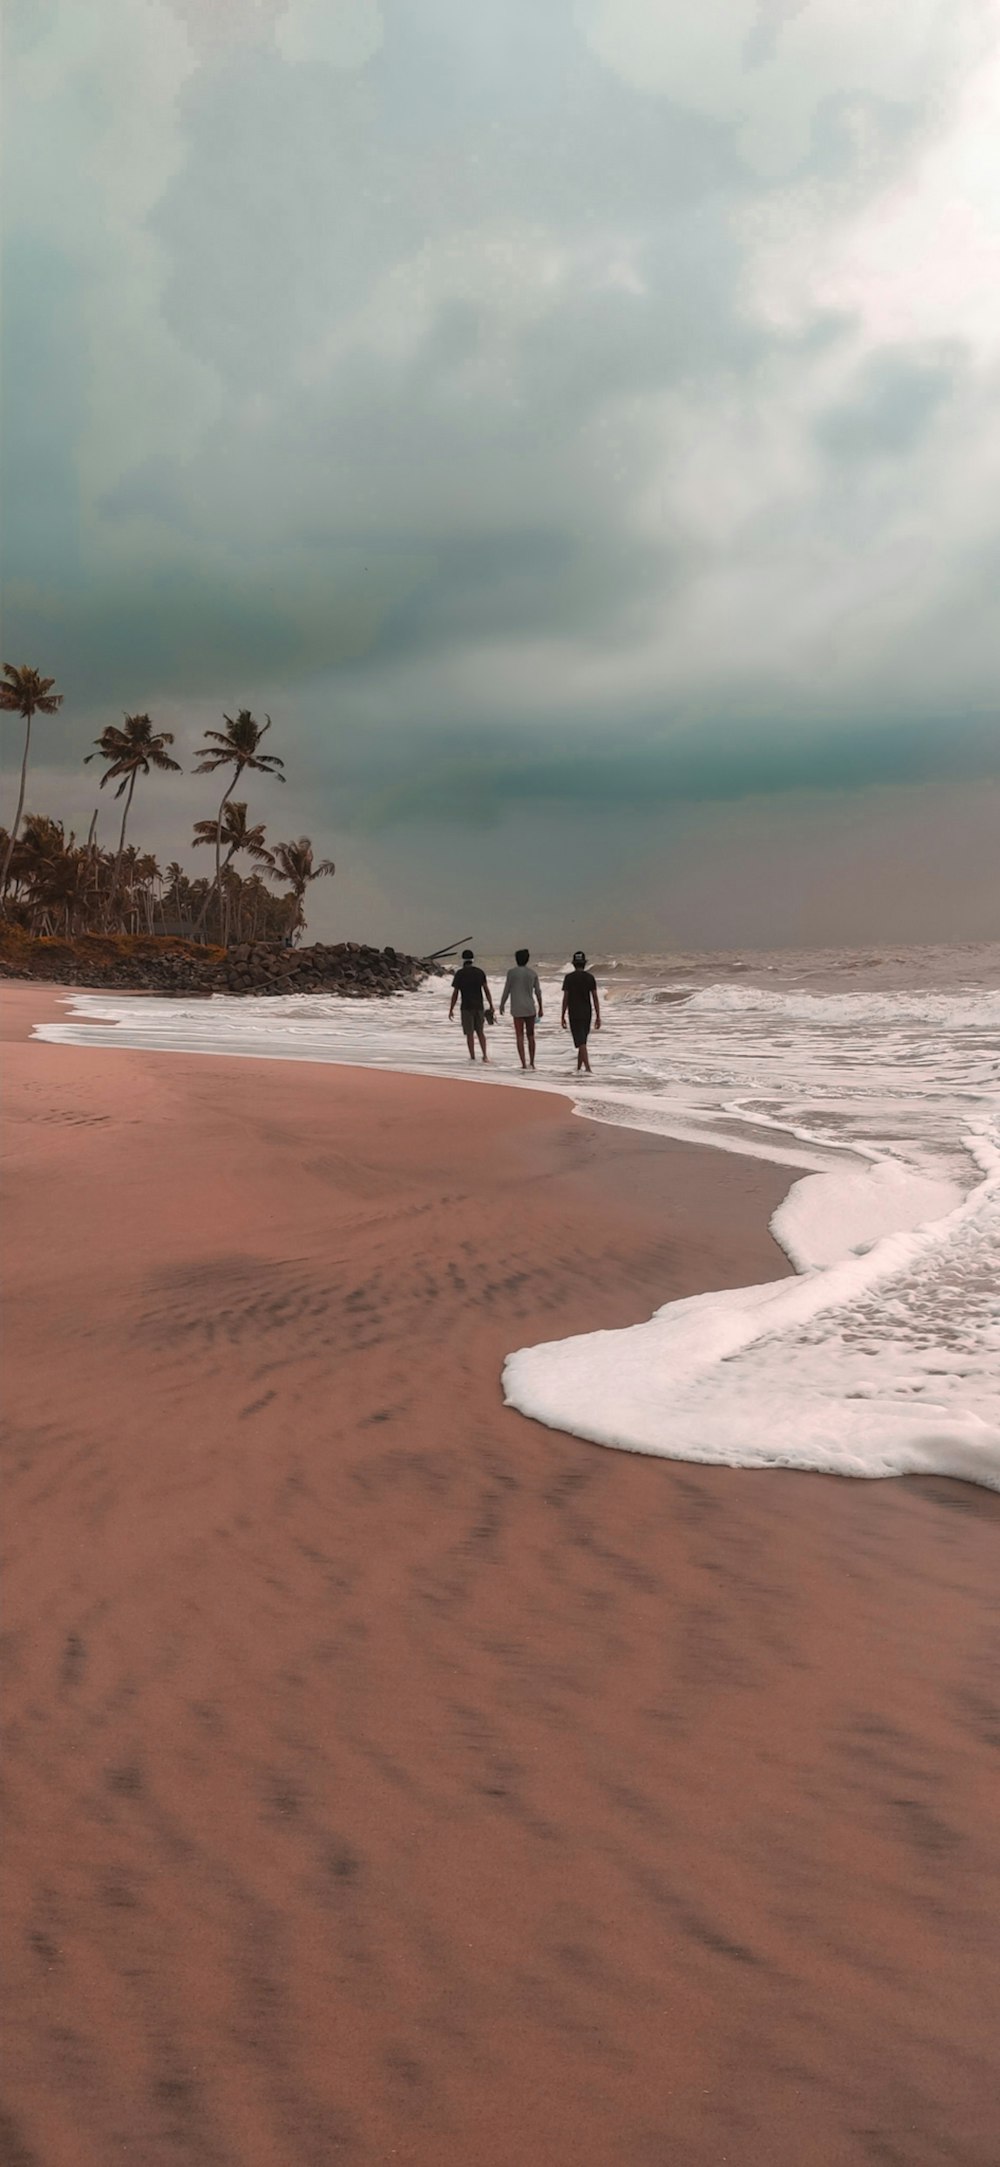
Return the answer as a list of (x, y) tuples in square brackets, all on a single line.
[(329, 33), (918, 259), (767, 70)]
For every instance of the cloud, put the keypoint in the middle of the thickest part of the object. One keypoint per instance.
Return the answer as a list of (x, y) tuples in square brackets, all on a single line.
[(772, 69), (594, 402), (329, 33), (892, 406)]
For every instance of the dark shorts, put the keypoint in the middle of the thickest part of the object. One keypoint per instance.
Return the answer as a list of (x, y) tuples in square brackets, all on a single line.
[(580, 1029), (473, 1019)]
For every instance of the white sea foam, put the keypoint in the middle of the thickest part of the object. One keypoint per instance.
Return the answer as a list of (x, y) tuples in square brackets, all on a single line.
[(882, 1356)]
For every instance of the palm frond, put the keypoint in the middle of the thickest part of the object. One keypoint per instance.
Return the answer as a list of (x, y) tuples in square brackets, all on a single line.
[(27, 693)]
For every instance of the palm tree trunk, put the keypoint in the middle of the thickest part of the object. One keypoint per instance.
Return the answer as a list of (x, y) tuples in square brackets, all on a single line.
[(214, 890), (128, 801), (218, 851), (227, 900), (20, 806), (121, 838)]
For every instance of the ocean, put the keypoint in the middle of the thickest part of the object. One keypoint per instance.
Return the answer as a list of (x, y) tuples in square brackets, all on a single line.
[(873, 1076)]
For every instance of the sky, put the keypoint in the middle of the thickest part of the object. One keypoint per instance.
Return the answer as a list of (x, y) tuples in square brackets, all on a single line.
[(576, 423)]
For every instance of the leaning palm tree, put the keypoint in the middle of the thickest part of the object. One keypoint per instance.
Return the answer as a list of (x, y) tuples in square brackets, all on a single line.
[(130, 753), (231, 833), (27, 694), (293, 863), (238, 747)]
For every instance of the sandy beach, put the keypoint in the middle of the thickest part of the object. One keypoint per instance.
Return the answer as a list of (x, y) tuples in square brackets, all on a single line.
[(390, 1779)]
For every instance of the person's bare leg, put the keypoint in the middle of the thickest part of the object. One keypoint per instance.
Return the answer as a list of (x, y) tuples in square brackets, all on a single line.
[(519, 1035), (470, 1040), (481, 1035), (529, 1032)]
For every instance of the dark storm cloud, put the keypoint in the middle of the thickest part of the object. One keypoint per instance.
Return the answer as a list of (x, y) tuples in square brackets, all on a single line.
[(44, 393), (714, 765)]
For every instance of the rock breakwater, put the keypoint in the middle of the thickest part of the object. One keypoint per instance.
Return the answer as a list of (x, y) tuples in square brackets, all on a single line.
[(147, 963)]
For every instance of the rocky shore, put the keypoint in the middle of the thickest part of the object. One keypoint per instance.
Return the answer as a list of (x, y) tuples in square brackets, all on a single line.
[(149, 964)]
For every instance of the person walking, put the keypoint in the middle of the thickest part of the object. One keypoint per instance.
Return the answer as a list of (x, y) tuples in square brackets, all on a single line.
[(469, 986), (523, 990), (580, 1005)]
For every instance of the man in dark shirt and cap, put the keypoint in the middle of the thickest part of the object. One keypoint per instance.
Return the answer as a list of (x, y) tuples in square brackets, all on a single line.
[(469, 986), (579, 1004)]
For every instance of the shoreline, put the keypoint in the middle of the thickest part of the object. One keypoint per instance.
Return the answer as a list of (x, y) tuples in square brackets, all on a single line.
[(394, 1778), (799, 1163), (855, 1222)]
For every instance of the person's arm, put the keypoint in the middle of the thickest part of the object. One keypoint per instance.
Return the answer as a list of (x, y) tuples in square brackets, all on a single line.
[(504, 997), (538, 992), (454, 998), (597, 1009), (565, 1006), (488, 998)]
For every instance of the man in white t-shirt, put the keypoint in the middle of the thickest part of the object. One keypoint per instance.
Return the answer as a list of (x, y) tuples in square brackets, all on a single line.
[(524, 993)]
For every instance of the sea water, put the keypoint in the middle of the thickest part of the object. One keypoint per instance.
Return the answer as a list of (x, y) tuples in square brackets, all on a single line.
[(875, 1079)]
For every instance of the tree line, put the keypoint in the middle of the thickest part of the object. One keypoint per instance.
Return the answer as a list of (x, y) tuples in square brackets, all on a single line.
[(52, 883)]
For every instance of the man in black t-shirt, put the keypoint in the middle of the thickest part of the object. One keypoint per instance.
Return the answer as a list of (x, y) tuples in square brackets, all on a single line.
[(579, 1003), (469, 986)]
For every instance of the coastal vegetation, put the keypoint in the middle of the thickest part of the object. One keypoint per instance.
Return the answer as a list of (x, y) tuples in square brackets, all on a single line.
[(53, 884)]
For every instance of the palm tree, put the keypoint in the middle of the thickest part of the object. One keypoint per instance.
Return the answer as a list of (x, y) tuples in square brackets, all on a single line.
[(232, 832), (293, 862), (172, 899), (25, 694), (49, 868), (61, 888), (39, 847), (147, 880), (130, 753), (238, 747)]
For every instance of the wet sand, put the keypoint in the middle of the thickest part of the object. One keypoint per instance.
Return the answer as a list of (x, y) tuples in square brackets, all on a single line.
[(391, 1779)]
